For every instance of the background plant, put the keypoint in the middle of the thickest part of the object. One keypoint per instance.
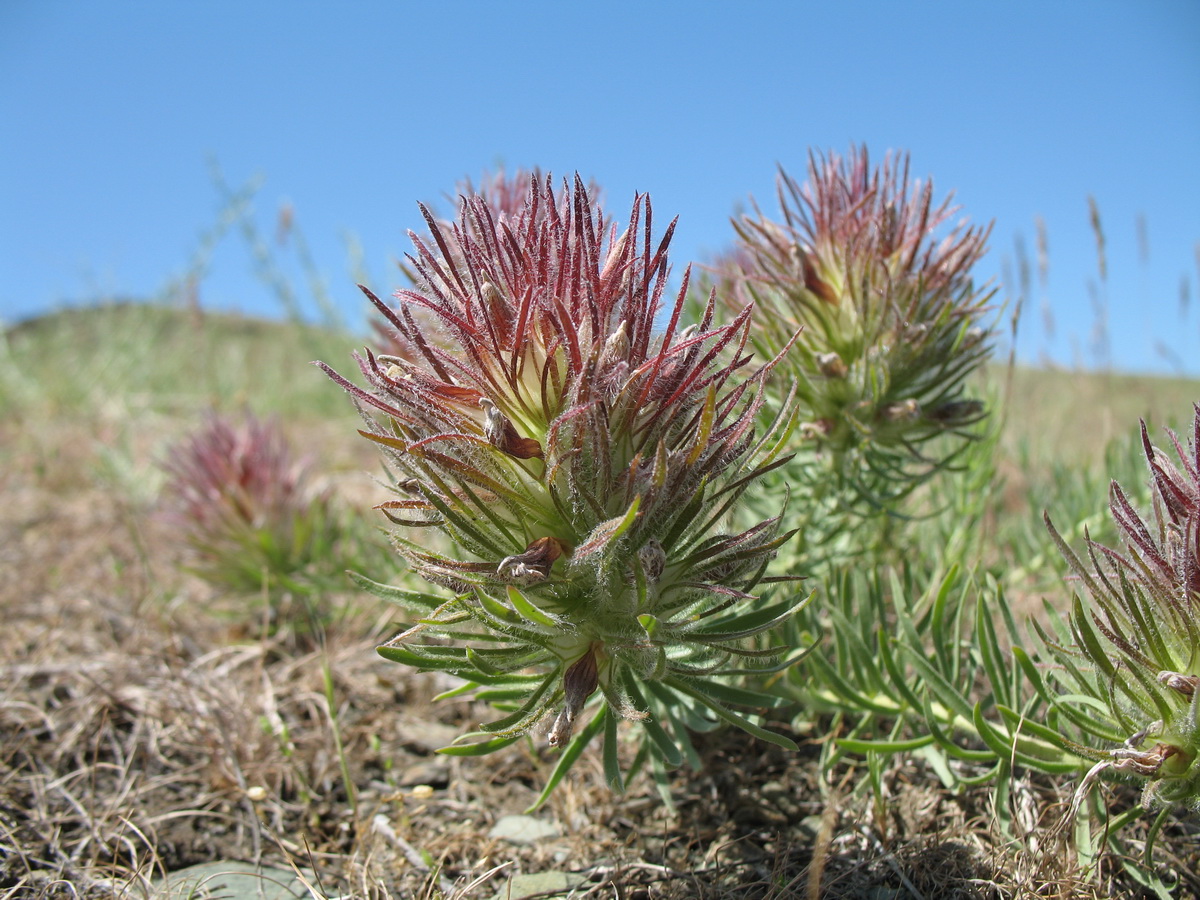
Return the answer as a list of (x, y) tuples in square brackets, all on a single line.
[(1135, 647), (247, 510), (917, 649), (891, 327), (869, 270)]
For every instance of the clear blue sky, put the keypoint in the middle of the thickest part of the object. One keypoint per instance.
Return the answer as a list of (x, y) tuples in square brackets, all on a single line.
[(352, 112)]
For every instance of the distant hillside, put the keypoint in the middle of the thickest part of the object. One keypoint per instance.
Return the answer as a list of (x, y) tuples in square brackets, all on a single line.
[(1070, 415), (174, 359), (171, 360)]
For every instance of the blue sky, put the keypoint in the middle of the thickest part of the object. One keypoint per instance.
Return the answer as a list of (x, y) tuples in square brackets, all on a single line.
[(111, 113)]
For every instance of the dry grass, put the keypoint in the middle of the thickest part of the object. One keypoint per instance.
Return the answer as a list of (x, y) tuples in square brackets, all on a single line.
[(147, 724), (1076, 415)]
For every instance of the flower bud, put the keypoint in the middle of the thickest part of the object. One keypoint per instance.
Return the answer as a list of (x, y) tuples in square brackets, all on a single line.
[(579, 683)]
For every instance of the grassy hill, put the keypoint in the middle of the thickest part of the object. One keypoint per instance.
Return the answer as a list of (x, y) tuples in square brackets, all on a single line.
[(1074, 416), (152, 359)]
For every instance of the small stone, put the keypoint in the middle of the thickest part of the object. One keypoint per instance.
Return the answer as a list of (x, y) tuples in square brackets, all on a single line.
[(778, 795), (539, 884), (435, 773), (427, 737), (232, 880), (522, 830), (811, 824)]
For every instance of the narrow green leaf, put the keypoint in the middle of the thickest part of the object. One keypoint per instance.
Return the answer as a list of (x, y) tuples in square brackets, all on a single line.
[(990, 736), (938, 612), (658, 736), (422, 657), (704, 426), (738, 696), (415, 601), (496, 610), (518, 722), (612, 765), (733, 718), (947, 743), (1001, 799), (674, 708), (648, 622), (990, 652), (478, 748), (528, 611), (1071, 706), (499, 696), (853, 699), (1031, 672), (1052, 744), (607, 532), (896, 676), (868, 746), (483, 665), (856, 657), (685, 517), (751, 623), (941, 687)]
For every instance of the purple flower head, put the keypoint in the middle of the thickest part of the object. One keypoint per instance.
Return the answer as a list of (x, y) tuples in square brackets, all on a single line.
[(576, 445), (243, 504), (877, 280)]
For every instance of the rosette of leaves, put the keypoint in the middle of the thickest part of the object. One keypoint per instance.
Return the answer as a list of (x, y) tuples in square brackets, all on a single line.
[(1135, 640), (579, 464), (245, 506), (878, 282)]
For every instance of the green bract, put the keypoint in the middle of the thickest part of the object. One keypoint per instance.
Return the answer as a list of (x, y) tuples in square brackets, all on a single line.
[(579, 463)]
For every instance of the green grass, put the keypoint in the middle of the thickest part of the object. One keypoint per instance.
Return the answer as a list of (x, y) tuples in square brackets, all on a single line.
[(1072, 417), (164, 359), (139, 358)]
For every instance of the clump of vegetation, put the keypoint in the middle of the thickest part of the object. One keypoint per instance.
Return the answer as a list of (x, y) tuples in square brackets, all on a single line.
[(586, 469), (246, 509), (865, 268), (1136, 645), (581, 462), (610, 494)]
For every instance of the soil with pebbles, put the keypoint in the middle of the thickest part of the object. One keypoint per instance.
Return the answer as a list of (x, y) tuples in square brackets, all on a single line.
[(148, 723)]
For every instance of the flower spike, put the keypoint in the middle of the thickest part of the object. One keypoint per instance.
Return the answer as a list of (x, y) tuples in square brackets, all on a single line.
[(1141, 631), (876, 280), (578, 461)]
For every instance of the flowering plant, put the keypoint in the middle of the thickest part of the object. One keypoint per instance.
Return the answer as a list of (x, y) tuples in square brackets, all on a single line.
[(245, 506), (579, 463), (1137, 643), (889, 320)]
